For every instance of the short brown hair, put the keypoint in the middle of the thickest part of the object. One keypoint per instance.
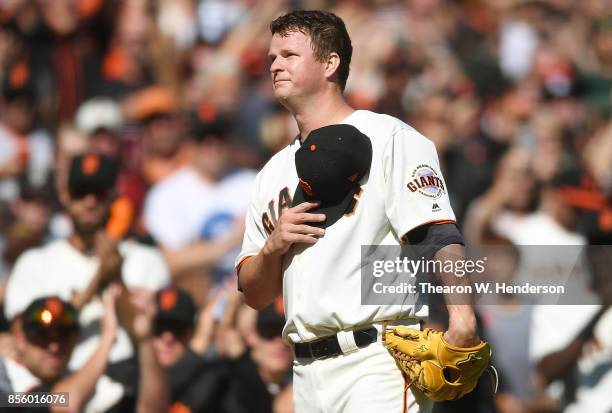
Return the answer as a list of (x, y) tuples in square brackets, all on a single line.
[(327, 34)]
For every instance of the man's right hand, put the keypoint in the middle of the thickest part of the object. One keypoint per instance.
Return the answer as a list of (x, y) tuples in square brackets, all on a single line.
[(292, 227), (261, 277)]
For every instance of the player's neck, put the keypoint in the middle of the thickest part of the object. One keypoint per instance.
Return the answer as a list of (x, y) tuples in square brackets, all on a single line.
[(319, 112)]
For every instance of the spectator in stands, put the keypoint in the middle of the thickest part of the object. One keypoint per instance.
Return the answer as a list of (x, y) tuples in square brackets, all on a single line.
[(45, 336), (127, 64), (78, 268), (29, 219), (101, 120), (64, 51), (195, 383), (576, 357), (255, 364), (156, 109), (46, 333), (174, 325), (511, 196), (502, 315), (196, 214), (24, 149), (261, 372)]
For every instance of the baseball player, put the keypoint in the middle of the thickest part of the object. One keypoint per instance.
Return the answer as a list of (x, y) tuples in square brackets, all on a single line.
[(351, 178)]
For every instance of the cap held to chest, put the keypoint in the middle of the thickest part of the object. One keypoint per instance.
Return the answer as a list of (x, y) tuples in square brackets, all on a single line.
[(330, 164)]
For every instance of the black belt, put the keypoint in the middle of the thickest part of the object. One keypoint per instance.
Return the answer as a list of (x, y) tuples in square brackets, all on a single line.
[(329, 346)]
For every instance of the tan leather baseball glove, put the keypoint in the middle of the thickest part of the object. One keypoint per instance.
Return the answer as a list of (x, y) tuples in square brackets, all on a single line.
[(441, 371)]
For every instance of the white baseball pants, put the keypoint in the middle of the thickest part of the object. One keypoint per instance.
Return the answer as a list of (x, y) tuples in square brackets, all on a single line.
[(366, 380)]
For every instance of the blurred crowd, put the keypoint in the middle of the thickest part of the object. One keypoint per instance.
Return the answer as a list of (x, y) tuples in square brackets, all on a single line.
[(131, 132)]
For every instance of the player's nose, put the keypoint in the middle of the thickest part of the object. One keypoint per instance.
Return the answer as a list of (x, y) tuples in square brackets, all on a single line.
[(276, 66)]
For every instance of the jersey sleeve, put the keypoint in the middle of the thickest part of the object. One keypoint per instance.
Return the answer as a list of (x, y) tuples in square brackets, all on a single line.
[(254, 235), (415, 192)]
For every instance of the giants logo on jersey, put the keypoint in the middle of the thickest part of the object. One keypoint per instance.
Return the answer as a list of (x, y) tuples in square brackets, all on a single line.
[(426, 182), (270, 218)]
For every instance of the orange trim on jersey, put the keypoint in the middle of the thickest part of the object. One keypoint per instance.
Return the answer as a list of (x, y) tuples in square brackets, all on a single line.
[(443, 221), (242, 261), (436, 222)]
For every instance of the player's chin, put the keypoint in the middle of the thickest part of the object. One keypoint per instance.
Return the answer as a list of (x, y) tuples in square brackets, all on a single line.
[(279, 95), (282, 90)]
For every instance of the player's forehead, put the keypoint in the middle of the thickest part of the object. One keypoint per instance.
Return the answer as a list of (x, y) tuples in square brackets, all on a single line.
[(292, 40)]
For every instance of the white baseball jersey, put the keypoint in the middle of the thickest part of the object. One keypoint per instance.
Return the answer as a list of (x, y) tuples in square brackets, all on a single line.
[(322, 282)]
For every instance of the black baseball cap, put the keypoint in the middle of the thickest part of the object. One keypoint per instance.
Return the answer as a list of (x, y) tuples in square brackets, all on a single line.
[(50, 313), (271, 320), (213, 125), (580, 191), (175, 307), (330, 163), (18, 82), (92, 173)]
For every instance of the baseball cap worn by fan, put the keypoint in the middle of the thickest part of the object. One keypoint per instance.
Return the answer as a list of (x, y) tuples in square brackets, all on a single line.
[(148, 103), (50, 313), (91, 173), (270, 322), (175, 306), (330, 164), (99, 113), (17, 82), (217, 127)]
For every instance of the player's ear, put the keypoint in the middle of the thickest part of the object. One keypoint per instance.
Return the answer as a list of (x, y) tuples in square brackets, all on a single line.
[(331, 64)]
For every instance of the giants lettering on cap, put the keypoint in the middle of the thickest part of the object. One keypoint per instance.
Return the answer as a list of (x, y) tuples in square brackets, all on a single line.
[(425, 181)]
